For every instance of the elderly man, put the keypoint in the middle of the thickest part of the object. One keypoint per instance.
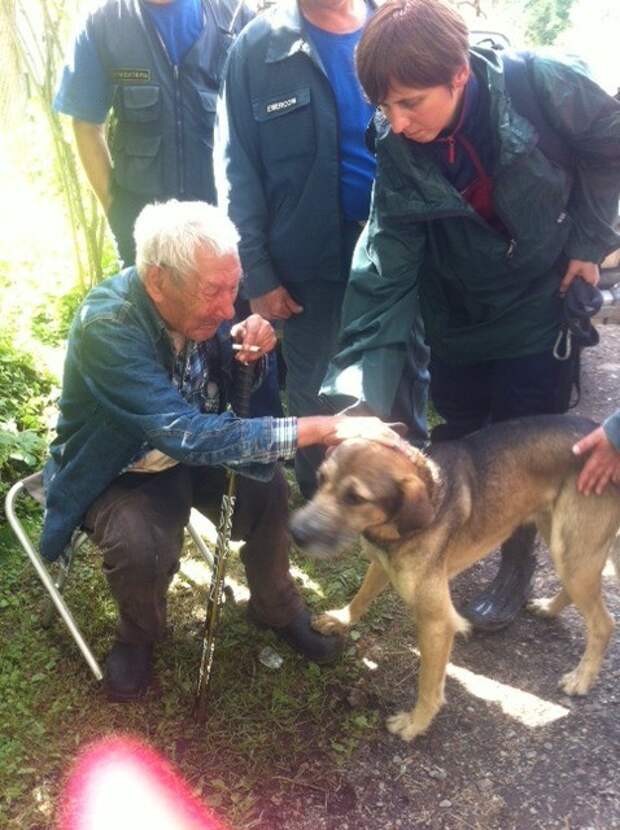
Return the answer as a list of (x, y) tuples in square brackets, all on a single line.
[(144, 435)]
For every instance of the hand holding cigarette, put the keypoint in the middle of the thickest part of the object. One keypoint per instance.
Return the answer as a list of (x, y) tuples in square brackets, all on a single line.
[(238, 347), (252, 338)]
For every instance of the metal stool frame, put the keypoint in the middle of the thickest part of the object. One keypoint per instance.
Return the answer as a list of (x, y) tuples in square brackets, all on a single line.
[(53, 587)]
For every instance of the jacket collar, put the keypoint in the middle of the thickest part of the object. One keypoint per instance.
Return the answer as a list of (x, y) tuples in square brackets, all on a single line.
[(414, 183), (287, 32), (141, 300)]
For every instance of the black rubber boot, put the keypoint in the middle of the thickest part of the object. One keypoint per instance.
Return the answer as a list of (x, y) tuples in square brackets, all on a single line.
[(498, 605), (302, 638), (128, 671)]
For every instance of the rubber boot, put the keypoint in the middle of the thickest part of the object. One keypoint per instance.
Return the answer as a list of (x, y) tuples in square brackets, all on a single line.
[(498, 605)]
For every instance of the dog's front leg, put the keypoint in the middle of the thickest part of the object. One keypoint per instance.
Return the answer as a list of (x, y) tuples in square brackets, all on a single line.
[(340, 620), (437, 622)]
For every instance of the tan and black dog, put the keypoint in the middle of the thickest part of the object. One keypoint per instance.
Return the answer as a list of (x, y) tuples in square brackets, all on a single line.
[(428, 517)]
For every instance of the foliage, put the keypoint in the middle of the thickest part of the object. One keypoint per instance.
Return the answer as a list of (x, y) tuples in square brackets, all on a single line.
[(35, 32), (24, 395), (523, 22), (546, 19)]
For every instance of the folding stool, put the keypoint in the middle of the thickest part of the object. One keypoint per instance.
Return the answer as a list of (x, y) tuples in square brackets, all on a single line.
[(33, 486)]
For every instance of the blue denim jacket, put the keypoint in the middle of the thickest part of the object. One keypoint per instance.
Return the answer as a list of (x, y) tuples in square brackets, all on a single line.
[(117, 394)]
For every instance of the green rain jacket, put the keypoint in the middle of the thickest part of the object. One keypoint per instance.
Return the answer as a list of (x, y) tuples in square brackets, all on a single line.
[(482, 295)]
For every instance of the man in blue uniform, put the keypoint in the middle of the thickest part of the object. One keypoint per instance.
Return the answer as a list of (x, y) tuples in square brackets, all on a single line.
[(297, 176), (157, 65)]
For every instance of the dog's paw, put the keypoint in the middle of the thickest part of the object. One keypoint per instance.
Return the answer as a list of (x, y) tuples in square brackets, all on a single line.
[(332, 622), (403, 725), (541, 607), (576, 682)]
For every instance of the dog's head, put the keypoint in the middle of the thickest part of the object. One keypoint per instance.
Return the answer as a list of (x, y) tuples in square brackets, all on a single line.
[(365, 487)]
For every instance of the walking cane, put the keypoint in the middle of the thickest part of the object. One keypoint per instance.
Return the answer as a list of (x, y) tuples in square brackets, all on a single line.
[(241, 406)]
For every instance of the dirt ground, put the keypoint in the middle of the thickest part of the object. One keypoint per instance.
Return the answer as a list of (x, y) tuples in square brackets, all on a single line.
[(509, 750)]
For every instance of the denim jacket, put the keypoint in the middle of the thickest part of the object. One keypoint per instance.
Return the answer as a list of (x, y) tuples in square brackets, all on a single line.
[(117, 393)]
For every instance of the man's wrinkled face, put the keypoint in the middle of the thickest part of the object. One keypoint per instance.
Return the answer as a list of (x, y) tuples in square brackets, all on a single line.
[(197, 307), (420, 114)]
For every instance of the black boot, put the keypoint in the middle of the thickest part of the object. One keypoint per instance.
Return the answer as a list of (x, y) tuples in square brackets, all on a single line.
[(128, 671), (498, 605), (300, 636)]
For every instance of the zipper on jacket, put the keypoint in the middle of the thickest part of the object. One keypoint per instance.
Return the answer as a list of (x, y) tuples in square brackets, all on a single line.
[(177, 115)]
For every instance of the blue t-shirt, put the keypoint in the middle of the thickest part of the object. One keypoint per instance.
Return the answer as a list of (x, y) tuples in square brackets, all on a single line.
[(85, 91), (357, 163)]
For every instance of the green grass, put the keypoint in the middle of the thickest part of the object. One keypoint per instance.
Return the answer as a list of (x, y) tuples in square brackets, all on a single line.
[(262, 725)]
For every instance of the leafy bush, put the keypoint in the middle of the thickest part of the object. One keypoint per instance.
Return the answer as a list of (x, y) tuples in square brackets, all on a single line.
[(24, 395), (50, 324)]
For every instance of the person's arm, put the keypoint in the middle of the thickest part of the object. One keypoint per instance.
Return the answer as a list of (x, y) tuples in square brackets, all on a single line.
[(589, 120), (602, 448), (380, 307), (238, 167), (124, 376), (95, 156), (85, 94)]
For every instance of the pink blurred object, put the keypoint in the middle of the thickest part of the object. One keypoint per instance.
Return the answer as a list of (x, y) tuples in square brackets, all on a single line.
[(120, 783)]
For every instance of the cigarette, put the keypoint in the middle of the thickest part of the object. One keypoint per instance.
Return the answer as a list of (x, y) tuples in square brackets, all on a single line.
[(238, 347)]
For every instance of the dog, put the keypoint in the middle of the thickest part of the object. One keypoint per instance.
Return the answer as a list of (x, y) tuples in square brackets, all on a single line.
[(427, 517)]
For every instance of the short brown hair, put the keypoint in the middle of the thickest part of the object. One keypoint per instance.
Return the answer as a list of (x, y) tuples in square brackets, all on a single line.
[(417, 43)]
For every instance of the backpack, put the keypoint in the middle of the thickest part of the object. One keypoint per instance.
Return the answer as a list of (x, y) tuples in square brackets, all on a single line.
[(582, 300)]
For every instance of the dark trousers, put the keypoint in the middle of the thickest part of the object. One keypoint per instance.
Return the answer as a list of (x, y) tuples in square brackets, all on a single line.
[(138, 525), (470, 397), (309, 343), (310, 340), (122, 216)]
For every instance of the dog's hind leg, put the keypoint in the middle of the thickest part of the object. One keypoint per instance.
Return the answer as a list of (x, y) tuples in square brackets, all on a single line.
[(340, 620), (580, 542), (584, 588), (548, 607), (437, 622)]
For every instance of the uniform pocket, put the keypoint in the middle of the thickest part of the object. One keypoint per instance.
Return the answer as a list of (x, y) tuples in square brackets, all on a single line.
[(286, 124), (138, 164), (138, 104)]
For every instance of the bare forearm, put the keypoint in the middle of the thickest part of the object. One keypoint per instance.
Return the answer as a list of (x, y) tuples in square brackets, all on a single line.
[(95, 157)]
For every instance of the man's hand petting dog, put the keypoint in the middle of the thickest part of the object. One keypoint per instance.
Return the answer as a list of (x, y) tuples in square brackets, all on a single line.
[(331, 430)]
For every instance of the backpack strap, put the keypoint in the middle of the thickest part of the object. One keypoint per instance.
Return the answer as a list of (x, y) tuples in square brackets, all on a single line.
[(522, 92)]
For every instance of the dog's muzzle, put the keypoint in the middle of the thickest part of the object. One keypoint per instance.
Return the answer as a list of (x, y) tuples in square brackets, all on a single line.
[(317, 533)]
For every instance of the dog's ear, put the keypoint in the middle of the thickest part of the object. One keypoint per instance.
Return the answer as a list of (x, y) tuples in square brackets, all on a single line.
[(416, 509)]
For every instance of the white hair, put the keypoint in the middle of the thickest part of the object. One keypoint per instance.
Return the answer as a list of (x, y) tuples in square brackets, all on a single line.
[(170, 234)]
